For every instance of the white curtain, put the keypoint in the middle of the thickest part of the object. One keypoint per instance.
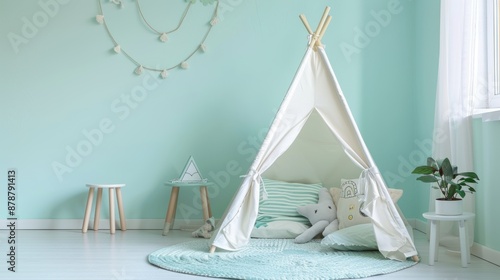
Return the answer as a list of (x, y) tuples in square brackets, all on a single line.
[(461, 80)]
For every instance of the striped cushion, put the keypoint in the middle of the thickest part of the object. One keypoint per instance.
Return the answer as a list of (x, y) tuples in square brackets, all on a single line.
[(283, 199)]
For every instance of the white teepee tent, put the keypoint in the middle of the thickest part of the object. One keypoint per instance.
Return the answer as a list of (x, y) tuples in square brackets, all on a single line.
[(314, 138)]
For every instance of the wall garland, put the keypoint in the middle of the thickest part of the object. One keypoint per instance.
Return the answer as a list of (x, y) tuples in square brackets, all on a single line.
[(163, 35)]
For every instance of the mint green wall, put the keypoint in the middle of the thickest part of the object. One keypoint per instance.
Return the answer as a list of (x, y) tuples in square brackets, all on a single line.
[(426, 24), (64, 82), (386, 91)]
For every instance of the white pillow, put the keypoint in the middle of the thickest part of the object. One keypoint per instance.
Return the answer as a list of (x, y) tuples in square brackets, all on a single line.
[(356, 238), (348, 204), (349, 212), (395, 194), (279, 229), (349, 207)]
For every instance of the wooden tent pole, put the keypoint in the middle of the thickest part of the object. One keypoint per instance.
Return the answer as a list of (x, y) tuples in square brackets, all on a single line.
[(306, 24), (322, 21), (325, 26)]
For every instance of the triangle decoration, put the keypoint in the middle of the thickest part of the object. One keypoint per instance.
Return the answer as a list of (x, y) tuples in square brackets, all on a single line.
[(191, 173)]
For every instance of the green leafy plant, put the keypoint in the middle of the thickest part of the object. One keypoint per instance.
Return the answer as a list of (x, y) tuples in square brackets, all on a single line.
[(446, 178)]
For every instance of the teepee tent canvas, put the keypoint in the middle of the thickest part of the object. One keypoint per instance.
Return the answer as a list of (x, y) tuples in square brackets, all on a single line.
[(314, 138)]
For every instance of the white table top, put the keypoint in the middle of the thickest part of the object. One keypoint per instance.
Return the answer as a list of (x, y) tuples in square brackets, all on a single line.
[(188, 184), (434, 216), (105, 186)]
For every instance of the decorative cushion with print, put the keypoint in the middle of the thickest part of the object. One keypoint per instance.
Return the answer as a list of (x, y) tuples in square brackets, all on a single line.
[(348, 205), (349, 208)]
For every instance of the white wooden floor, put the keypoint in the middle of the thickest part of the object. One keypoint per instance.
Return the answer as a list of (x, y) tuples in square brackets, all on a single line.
[(69, 254)]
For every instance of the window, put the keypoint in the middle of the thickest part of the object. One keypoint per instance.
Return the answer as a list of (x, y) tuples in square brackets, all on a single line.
[(493, 42)]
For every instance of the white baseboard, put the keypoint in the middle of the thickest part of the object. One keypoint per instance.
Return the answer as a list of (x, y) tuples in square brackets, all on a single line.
[(103, 224), (419, 225), (477, 250), (485, 253)]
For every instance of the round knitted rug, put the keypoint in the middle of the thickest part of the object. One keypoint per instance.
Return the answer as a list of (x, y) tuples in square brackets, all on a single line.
[(274, 259)]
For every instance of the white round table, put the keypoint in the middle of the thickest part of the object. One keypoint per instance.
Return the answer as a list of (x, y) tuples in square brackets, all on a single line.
[(434, 238)]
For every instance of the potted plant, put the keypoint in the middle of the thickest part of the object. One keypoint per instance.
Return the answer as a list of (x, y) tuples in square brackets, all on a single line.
[(451, 184)]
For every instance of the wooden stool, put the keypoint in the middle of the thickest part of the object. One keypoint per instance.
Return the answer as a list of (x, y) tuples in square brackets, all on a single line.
[(172, 205), (111, 187), (434, 238)]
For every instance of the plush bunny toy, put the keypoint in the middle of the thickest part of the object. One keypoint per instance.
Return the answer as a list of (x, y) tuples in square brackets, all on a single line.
[(323, 217)]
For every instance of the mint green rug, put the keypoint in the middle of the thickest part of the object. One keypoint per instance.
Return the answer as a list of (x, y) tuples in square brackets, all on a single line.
[(274, 259)]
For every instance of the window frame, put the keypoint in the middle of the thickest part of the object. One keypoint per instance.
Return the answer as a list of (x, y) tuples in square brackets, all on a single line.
[(493, 42)]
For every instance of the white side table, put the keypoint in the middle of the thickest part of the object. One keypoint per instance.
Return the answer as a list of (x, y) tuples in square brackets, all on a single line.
[(434, 242)]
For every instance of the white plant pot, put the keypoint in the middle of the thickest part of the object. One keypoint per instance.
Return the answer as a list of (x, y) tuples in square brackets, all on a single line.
[(449, 207)]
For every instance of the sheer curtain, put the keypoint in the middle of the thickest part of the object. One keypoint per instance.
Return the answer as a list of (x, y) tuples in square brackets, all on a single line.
[(461, 80)]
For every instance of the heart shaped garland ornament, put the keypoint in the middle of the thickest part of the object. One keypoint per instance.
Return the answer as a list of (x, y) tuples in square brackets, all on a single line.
[(99, 19), (203, 47), (117, 49), (214, 21), (139, 70), (163, 37), (164, 74)]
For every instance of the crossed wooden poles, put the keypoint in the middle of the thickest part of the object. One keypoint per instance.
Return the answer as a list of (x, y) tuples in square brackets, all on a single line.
[(320, 30)]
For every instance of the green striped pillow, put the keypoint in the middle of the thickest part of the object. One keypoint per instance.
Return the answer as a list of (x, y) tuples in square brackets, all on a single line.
[(282, 201)]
